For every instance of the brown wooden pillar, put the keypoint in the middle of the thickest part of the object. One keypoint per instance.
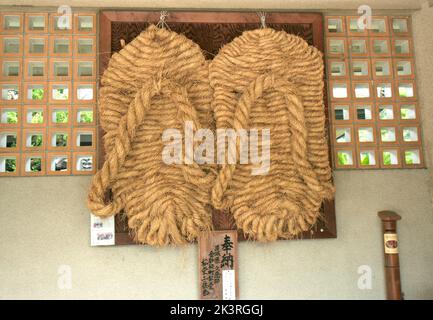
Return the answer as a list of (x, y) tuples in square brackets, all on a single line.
[(390, 246)]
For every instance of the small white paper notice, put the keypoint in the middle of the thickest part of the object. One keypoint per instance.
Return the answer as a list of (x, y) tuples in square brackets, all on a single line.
[(229, 290), (101, 231)]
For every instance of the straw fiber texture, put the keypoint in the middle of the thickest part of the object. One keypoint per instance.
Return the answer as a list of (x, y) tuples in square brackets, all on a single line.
[(264, 79), (271, 79), (158, 81)]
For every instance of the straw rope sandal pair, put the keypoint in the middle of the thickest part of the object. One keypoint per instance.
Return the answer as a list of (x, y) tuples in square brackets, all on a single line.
[(263, 79)]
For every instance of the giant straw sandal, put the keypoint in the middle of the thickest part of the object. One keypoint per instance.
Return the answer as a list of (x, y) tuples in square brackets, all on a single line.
[(157, 81), (271, 79)]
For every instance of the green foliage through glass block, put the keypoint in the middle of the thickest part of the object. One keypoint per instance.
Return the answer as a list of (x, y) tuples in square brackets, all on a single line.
[(408, 157), (36, 140), (35, 164), (12, 117), (343, 159), (37, 117), (10, 165), (61, 116), (86, 116), (37, 94), (365, 159), (387, 158), (61, 140)]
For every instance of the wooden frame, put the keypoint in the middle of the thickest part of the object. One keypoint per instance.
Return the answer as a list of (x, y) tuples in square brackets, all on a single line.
[(395, 111), (337, 105), (373, 149), (28, 85), (83, 130), (76, 46), (361, 103), (2, 22), (420, 153), (400, 34), (365, 144), (28, 38), (84, 78), (3, 39), (16, 109), (350, 149), (53, 77), (377, 77), (391, 143), (26, 156), (84, 107), (23, 70), (52, 40), (77, 85), (351, 135), (28, 61), (65, 84), (365, 53), (386, 33), (396, 54), (384, 82), (54, 108), (343, 26), (390, 149), (348, 97), (28, 17), (59, 130), (405, 76), (11, 132), (325, 228), (27, 108), (51, 156), (380, 54), (331, 54), (338, 61), (360, 77), (52, 19), (75, 156), (33, 131), (366, 83), (77, 22), (11, 60), (16, 85), (17, 158)]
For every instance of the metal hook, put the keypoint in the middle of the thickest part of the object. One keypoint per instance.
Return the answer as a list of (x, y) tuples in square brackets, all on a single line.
[(161, 23), (262, 16)]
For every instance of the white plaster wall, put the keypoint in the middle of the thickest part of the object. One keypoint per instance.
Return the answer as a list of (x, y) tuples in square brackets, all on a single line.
[(44, 224)]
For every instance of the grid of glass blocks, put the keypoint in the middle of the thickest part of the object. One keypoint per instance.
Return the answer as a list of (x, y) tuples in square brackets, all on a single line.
[(47, 94), (373, 101)]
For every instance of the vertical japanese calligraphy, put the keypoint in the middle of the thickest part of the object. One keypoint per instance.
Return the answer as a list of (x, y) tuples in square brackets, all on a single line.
[(218, 252)]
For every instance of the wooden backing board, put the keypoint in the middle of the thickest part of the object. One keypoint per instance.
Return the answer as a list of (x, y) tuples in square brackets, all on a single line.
[(210, 30)]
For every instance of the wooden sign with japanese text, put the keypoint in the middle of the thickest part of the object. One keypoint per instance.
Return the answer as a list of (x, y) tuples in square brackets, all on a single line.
[(218, 265)]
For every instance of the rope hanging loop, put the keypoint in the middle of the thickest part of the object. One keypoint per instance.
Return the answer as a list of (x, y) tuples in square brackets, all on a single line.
[(262, 16), (162, 24)]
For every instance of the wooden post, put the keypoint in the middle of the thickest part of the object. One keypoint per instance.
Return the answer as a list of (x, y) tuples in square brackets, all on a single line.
[(390, 245)]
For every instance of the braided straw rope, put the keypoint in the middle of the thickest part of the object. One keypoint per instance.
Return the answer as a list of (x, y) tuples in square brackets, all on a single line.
[(270, 79), (158, 81)]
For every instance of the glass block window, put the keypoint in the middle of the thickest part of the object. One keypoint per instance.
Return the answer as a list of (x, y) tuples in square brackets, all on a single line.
[(48, 94), (373, 101)]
